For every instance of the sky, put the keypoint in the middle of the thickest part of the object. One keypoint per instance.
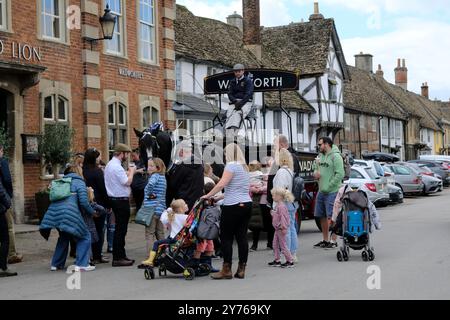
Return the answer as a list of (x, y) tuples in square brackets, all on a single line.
[(415, 30)]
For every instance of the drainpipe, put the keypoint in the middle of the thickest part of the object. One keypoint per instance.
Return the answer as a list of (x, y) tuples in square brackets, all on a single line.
[(380, 144), (359, 136)]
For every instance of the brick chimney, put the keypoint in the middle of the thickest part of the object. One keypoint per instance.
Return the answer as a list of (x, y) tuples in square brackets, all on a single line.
[(364, 62), (380, 72), (236, 20), (425, 92), (316, 15), (401, 74), (252, 30)]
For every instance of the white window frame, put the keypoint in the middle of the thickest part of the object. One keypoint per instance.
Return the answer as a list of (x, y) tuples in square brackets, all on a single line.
[(120, 24), (4, 25), (398, 130), (153, 32), (300, 127), (55, 109), (63, 36), (117, 125)]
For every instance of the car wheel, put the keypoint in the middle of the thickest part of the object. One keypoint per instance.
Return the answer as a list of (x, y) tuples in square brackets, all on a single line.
[(400, 188)]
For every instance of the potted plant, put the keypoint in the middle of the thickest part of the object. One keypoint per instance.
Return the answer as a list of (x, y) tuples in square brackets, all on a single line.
[(55, 150)]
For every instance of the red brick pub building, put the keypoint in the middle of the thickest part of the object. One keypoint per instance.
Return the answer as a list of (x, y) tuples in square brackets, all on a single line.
[(50, 73)]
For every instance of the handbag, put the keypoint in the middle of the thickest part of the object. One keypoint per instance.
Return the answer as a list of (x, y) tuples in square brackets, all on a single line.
[(144, 216)]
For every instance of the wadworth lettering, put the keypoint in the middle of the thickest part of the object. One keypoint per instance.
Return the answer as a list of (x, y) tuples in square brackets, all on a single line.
[(22, 51), (265, 80)]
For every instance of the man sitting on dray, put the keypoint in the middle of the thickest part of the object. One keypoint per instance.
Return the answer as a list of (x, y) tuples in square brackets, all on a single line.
[(240, 94)]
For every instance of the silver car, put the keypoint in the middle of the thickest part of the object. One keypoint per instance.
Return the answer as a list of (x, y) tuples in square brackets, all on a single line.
[(375, 187), (431, 184), (409, 181)]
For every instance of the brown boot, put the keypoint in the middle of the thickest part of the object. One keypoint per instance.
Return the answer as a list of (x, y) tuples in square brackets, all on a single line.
[(240, 273), (225, 273)]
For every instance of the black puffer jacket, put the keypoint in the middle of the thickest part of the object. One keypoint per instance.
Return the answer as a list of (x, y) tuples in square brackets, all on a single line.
[(185, 181)]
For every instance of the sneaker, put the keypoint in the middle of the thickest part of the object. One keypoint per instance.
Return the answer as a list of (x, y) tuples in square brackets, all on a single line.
[(295, 259), (85, 269), (52, 268), (253, 248), (274, 263), (287, 265), (331, 245), (320, 244)]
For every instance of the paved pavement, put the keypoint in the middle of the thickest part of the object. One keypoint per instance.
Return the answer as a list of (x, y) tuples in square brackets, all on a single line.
[(411, 252)]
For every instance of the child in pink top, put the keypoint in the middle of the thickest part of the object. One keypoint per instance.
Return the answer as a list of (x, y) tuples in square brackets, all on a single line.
[(281, 222)]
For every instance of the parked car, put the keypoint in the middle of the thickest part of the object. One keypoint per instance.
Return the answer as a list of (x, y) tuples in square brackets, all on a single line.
[(376, 188), (376, 167), (431, 184), (381, 157), (405, 178), (437, 168), (395, 193), (435, 158)]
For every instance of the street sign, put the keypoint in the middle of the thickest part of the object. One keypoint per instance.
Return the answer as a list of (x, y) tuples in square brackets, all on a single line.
[(265, 80)]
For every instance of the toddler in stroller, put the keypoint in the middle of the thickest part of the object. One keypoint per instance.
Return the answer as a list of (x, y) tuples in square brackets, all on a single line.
[(353, 219), (174, 254)]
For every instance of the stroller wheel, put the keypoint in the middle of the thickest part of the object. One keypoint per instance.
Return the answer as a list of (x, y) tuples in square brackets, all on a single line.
[(371, 255), (364, 256), (189, 274), (339, 256), (345, 255), (149, 274)]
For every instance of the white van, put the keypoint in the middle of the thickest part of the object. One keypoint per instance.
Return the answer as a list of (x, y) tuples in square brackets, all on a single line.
[(435, 158)]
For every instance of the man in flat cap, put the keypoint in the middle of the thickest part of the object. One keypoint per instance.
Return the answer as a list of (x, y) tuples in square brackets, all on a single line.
[(117, 182), (240, 94)]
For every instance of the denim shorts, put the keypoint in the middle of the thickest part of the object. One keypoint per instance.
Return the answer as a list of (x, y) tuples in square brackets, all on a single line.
[(324, 205)]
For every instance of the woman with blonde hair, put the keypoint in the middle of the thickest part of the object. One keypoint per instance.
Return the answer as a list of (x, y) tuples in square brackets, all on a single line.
[(236, 211), (284, 179), (155, 197)]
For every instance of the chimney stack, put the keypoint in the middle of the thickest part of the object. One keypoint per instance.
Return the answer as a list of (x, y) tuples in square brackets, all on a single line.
[(364, 62), (252, 29), (425, 92), (236, 20), (401, 75), (316, 15), (380, 72)]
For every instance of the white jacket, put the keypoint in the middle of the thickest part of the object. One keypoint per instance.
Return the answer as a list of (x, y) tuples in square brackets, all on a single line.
[(284, 178), (177, 224)]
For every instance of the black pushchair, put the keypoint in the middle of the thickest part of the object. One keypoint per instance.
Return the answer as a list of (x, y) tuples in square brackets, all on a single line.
[(353, 225), (177, 257)]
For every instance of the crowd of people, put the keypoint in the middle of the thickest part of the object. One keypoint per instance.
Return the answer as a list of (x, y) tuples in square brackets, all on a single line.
[(256, 197)]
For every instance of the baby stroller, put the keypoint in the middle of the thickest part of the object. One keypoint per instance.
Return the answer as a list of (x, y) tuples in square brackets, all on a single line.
[(176, 257), (355, 226)]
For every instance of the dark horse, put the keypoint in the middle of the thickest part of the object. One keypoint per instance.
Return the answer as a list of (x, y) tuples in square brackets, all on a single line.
[(154, 144)]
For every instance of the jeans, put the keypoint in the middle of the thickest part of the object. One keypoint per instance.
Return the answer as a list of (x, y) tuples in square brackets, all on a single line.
[(156, 244), (97, 246), (121, 209), (234, 224), (4, 241), (291, 236), (83, 246)]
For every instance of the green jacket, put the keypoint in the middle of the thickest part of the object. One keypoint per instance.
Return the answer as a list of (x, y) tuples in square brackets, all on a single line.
[(331, 169)]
